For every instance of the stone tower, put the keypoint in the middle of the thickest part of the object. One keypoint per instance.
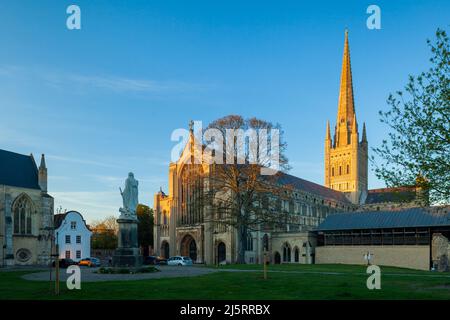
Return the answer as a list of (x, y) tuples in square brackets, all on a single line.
[(345, 155)]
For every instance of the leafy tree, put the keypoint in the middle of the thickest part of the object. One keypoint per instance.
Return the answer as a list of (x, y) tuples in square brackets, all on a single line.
[(418, 149), (145, 227), (104, 233)]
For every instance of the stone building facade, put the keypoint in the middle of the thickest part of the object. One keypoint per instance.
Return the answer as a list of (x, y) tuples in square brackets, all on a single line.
[(345, 154), (26, 210), (181, 228)]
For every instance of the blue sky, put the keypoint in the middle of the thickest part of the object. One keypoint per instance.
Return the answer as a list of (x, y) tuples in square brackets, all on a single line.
[(104, 100)]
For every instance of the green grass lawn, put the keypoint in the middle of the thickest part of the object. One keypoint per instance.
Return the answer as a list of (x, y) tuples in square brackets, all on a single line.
[(290, 284)]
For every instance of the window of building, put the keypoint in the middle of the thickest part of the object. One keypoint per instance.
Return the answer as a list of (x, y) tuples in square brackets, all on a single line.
[(67, 238), (73, 225), (67, 254), (78, 254), (249, 242), (348, 169), (332, 171), (340, 170), (23, 210), (286, 253), (78, 239), (266, 242), (296, 254)]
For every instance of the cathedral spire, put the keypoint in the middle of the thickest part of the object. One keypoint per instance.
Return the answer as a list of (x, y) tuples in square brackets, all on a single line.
[(364, 136), (346, 108), (328, 134), (42, 175), (42, 165)]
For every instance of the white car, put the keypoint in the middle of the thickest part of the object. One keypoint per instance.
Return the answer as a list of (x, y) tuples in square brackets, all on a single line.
[(179, 261)]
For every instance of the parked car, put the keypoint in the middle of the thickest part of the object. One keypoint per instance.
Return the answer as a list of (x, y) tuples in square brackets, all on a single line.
[(179, 261), (64, 263), (90, 262), (154, 260)]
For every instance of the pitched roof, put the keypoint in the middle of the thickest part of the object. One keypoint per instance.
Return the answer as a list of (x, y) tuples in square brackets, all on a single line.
[(311, 187), (401, 194), (406, 218), (58, 219), (18, 170)]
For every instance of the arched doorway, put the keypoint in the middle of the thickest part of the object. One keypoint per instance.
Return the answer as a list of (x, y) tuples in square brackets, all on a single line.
[(221, 252), (277, 258), (165, 252), (189, 247)]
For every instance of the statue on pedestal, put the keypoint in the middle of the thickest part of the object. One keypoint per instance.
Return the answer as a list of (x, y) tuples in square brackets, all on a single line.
[(127, 252), (129, 198)]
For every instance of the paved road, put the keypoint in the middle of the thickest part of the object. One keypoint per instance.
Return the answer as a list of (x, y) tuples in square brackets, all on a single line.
[(89, 275)]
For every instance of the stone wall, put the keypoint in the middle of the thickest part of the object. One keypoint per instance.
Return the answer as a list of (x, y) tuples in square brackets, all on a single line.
[(414, 257)]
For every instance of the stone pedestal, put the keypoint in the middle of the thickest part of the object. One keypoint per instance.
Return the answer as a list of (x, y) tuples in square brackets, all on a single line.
[(127, 253)]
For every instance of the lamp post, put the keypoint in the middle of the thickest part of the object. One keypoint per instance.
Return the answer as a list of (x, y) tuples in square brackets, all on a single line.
[(57, 265)]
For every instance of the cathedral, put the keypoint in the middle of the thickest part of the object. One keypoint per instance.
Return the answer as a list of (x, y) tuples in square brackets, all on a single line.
[(181, 228)]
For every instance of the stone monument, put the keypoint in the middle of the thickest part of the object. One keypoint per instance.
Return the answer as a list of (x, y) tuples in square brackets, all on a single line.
[(127, 253)]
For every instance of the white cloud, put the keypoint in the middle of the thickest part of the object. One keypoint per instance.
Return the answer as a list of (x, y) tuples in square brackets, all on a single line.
[(82, 161), (120, 84)]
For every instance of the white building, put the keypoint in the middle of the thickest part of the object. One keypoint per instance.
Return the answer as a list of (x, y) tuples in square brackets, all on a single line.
[(72, 236)]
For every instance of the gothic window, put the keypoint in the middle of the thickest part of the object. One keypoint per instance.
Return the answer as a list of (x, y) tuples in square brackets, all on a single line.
[(348, 169), (332, 171), (23, 210), (296, 255), (340, 170), (191, 194), (164, 217), (249, 242), (265, 202), (286, 253)]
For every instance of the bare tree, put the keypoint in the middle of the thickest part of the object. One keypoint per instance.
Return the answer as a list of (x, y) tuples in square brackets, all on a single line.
[(238, 192)]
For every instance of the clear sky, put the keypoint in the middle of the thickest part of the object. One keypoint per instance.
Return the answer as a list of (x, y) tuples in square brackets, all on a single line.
[(104, 100)]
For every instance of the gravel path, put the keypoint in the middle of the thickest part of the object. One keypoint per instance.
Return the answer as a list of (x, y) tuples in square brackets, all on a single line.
[(89, 275)]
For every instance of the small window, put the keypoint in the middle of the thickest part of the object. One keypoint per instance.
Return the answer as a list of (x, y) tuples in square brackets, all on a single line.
[(78, 254), (340, 170), (73, 225), (348, 169), (78, 239), (67, 238), (67, 254)]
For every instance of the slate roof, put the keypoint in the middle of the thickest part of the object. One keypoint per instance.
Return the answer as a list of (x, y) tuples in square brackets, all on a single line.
[(18, 170), (402, 194), (311, 187), (58, 219), (406, 218)]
